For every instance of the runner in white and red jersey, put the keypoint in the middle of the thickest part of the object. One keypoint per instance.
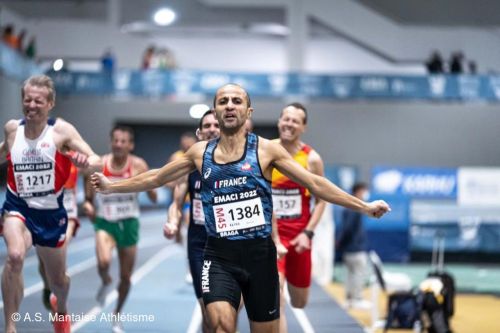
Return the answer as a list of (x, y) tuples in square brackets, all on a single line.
[(37, 149)]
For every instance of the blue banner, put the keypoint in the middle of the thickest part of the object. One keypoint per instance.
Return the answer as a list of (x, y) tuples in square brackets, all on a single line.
[(415, 182), (339, 87)]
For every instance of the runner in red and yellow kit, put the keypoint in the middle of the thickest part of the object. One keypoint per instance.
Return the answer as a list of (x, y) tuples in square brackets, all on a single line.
[(292, 208)]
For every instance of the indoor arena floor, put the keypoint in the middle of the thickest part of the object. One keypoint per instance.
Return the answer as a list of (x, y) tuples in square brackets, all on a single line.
[(160, 300)]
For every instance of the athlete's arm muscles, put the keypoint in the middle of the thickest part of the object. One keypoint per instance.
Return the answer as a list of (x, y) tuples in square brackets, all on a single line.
[(72, 141), (153, 178), (141, 166), (175, 209), (320, 187), (316, 167), (173, 157)]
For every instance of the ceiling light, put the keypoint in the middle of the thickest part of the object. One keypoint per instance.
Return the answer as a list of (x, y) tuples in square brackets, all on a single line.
[(58, 65), (164, 16), (197, 110)]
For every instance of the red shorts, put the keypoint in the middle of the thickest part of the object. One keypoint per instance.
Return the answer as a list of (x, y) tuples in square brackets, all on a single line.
[(296, 267)]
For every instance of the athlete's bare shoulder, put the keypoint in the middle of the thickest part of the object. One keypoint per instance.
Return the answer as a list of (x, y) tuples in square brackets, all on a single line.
[(61, 123), (64, 128), (197, 150), (315, 163), (195, 153), (270, 151), (314, 157)]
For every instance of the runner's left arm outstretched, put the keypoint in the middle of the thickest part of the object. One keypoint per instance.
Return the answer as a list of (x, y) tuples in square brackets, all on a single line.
[(319, 186), (152, 178)]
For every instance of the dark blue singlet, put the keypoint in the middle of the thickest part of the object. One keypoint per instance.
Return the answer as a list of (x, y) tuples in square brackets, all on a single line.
[(237, 198)]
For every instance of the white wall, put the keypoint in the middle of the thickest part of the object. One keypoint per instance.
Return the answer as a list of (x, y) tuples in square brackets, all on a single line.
[(9, 17), (407, 42), (341, 56), (248, 54)]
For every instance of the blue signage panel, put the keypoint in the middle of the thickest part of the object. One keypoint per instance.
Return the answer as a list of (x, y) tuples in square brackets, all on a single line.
[(182, 82), (415, 182)]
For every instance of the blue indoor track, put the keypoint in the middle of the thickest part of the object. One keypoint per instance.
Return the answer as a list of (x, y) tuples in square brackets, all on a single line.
[(160, 299)]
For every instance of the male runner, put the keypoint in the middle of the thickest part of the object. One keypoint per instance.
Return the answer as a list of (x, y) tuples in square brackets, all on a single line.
[(116, 217), (296, 219), (208, 129), (236, 169), (39, 151)]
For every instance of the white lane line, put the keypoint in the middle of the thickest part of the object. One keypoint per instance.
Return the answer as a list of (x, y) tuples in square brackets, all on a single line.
[(138, 275), (195, 324), (300, 315)]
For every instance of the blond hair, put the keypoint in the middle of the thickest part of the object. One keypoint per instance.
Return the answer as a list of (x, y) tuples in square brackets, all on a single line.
[(41, 81)]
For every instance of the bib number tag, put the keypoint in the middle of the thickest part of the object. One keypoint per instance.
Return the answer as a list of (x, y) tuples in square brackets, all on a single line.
[(198, 214), (287, 205), (119, 207), (238, 215), (34, 180)]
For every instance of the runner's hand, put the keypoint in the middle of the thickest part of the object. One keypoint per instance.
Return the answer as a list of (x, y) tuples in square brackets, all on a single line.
[(100, 183), (281, 250), (79, 160), (301, 243), (377, 208), (169, 230)]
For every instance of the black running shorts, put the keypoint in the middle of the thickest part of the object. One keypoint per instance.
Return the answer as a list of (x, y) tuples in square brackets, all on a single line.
[(232, 268)]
